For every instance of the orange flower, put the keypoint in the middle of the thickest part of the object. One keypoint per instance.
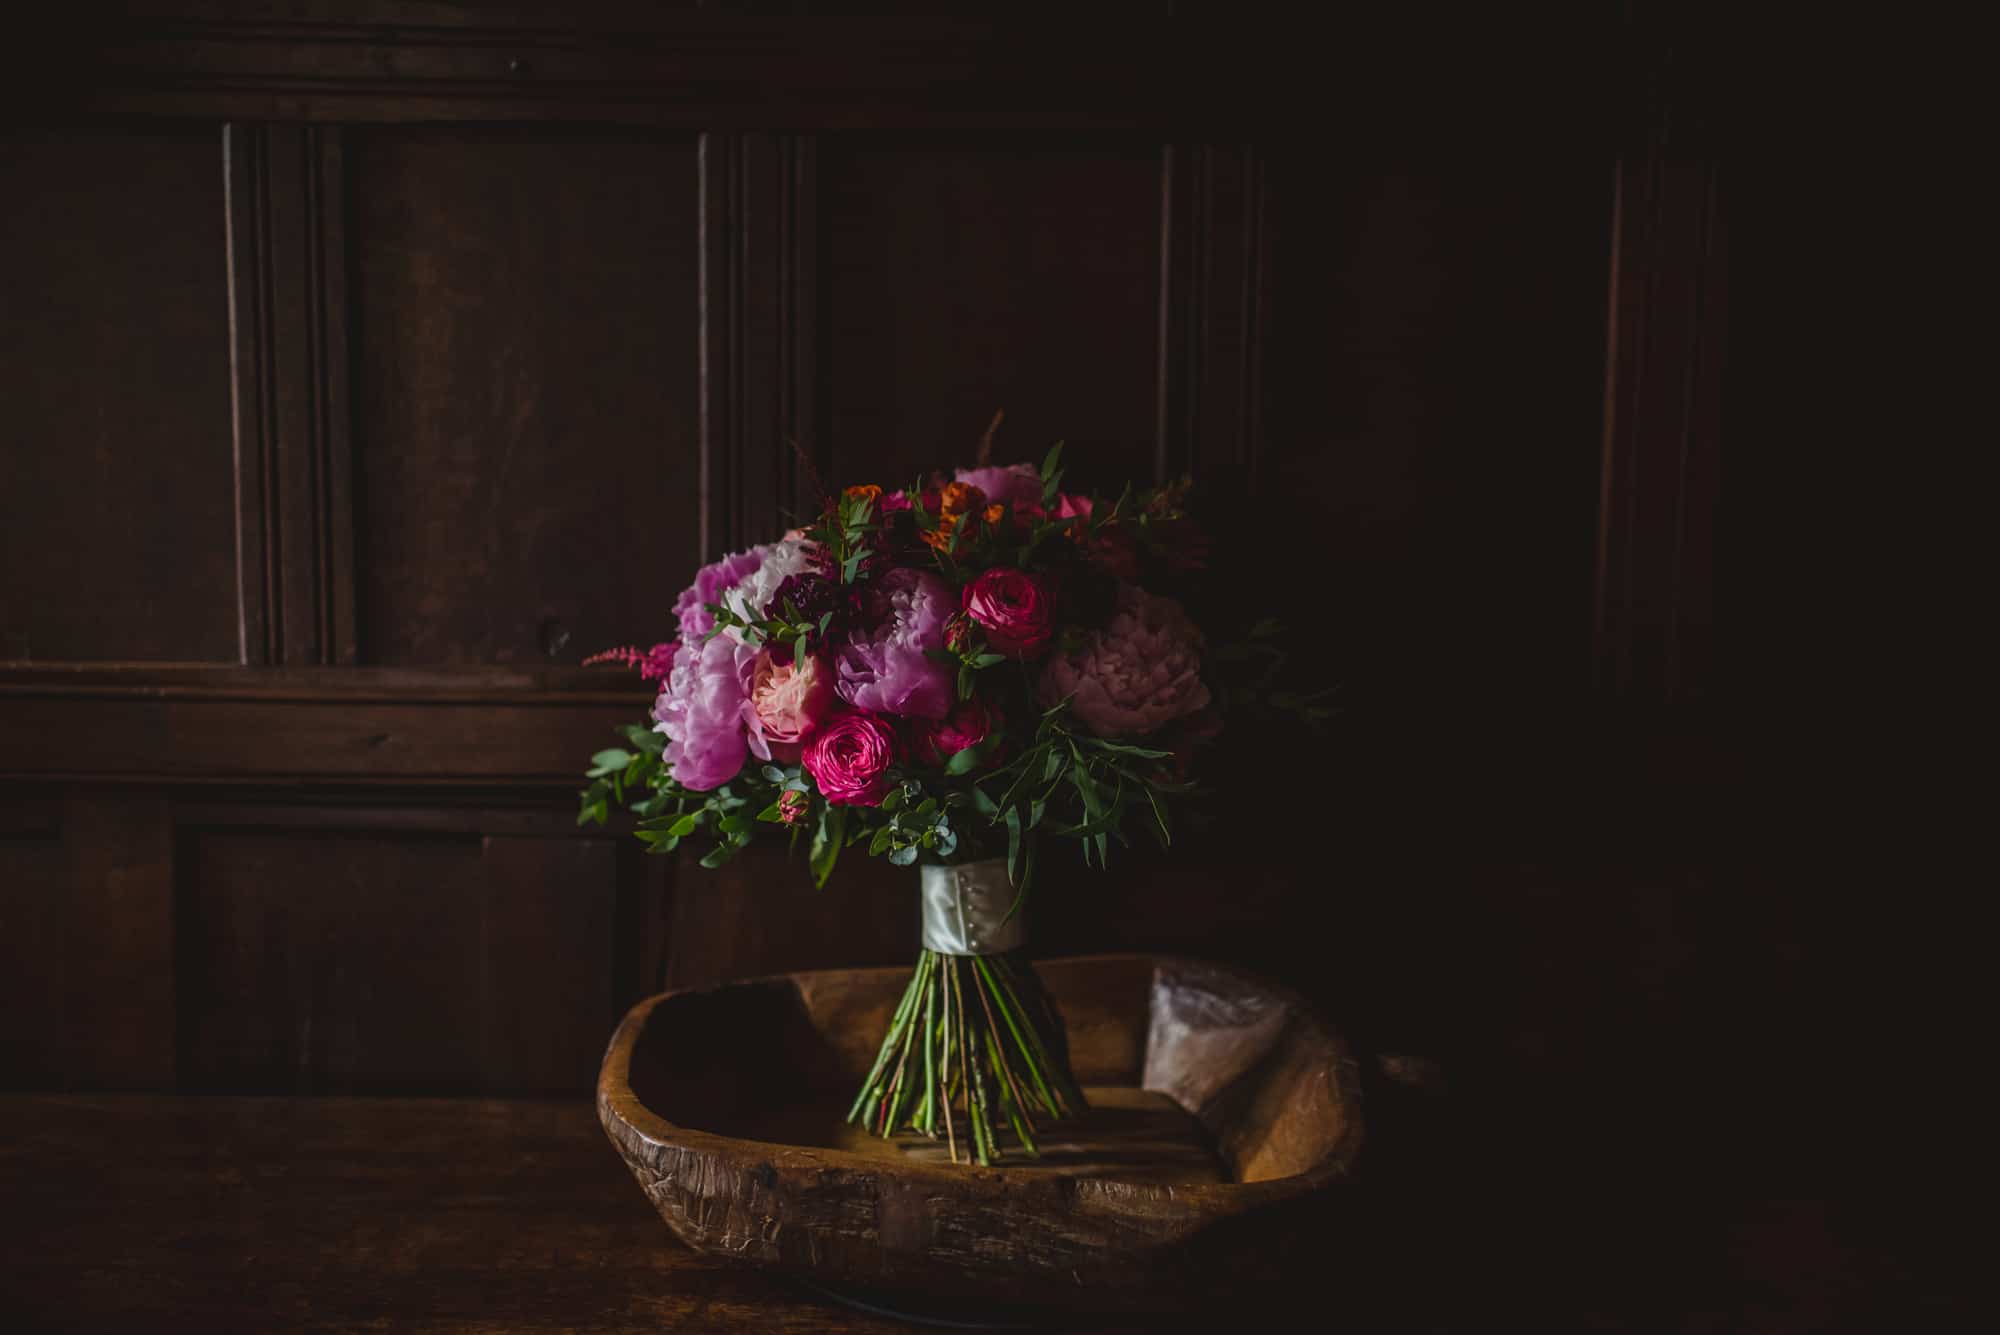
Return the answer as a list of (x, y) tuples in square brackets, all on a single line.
[(996, 515), (962, 498), (941, 535), (871, 492)]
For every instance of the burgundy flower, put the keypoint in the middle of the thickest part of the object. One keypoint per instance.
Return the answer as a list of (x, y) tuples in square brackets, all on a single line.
[(1014, 608), (969, 723), (849, 758)]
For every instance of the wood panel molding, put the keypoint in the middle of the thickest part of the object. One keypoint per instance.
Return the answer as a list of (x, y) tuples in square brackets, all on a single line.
[(416, 61), (300, 725), (1661, 474), (759, 368), (1214, 275), (286, 207)]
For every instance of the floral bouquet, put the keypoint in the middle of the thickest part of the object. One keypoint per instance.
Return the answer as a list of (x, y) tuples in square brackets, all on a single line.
[(948, 675)]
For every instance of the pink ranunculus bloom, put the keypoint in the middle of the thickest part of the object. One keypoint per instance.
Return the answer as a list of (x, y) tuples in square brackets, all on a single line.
[(710, 583), (1138, 673), (849, 758), (885, 667), (1014, 608), (1015, 485), (969, 723), (701, 711), (786, 702)]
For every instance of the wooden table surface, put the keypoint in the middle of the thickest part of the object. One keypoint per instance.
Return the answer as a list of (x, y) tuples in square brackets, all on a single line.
[(223, 1214), (149, 1213)]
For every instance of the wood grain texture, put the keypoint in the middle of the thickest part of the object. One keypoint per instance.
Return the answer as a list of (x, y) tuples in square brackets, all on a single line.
[(329, 962), (1279, 1096), (115, 528), (476, 1216), (287, 211), (338, 949), (967, 277), (1661, 487), (121, 998), (526, 464), (351, 1214), (34, 899)]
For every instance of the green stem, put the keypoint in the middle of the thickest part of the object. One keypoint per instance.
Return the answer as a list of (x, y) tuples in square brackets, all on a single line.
[(1002, 998)]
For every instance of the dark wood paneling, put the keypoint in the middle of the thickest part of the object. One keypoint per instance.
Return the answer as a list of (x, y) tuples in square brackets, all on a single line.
[(122, 994), (683, 65), (115, 487), (399, 947), (1435, 352), (34, 897), (525, 432), (288, 321), (548, 994), (761, 914), (1662, 426), (353, 725), (326, 963), (1215, 302), (966, 276), (759, 360)]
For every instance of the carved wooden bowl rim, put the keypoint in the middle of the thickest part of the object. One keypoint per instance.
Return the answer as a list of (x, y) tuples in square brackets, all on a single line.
[(625, 1117)]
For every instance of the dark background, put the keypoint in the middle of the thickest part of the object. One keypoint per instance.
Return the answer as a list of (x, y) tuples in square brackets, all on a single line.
[(363, 368)]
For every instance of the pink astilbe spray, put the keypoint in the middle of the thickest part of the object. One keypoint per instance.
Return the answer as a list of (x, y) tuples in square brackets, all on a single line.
[(654, 664)]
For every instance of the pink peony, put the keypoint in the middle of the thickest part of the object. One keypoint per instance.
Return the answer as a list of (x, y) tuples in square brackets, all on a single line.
[(886, 667), (849, 758), (701, 711), (786, 701), (710, 583), (969, 723), (1014, 608), (1141, 671), (1015, 485)]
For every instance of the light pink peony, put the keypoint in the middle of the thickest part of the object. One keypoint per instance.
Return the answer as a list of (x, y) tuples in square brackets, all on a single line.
[(701, 710), (1141, 671), (710, 583), (786, 703)]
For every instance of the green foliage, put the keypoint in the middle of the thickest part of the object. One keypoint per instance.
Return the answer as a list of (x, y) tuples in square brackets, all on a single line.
[(1044, 778)]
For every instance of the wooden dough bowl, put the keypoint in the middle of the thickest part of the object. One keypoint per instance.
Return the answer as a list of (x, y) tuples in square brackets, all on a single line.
[(1224, 1119)]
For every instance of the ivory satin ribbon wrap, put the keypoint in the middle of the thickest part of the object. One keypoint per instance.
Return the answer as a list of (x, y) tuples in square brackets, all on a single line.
[(965, 910)]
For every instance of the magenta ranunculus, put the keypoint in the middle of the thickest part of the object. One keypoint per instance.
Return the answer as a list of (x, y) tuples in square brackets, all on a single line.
[(701, 711), (1073, 507), (1014, 608), (884, 667), (710, 583), (969, 723), (1141, 671), (1014, 485), (849, 758), (786, 702)]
